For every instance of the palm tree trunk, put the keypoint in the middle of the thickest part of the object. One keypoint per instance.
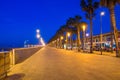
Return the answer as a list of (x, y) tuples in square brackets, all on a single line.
[(78, 31), (71, 41), (66, 41), (91, 34), (82, 40), (111, 41), (113, 22), (56, 43), (60, 42)]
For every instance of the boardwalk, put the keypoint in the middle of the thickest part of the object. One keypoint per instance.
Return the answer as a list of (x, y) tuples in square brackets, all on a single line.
[(58, 64)]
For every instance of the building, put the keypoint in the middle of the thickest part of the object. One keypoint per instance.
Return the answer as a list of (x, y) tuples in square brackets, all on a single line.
[(105, 39)]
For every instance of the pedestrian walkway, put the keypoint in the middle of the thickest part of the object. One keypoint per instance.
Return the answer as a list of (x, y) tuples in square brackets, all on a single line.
[(59, 64), (105, 53)]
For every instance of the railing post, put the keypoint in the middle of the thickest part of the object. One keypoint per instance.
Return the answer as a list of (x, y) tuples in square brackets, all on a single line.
[(13, 57)]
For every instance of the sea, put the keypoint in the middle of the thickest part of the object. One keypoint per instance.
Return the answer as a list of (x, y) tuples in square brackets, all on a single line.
[(5, 49)]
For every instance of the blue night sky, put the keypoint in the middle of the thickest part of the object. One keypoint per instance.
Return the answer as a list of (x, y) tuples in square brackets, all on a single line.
[(19, 19)]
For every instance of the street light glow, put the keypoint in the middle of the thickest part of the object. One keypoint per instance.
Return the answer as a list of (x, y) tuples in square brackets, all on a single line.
[(87, 34), (102, 13), (42, 41), (38, 36), (38, 31), (68, 34), (84, 27), (61, 37)]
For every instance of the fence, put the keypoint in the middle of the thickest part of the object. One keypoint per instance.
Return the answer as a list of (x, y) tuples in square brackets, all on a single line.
[(15, 56), (4, 64), (20, 54)]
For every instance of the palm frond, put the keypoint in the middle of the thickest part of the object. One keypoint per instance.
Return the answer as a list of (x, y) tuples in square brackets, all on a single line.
[(96, 5), (90, 2), (83, 4), (87, 16)]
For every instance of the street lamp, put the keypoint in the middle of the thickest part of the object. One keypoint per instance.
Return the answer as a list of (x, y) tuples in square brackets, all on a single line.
[(101, 14), (67, 38), (38, 31), (61, 37), (84, 28), (87, 37), (87, 34), (68, 34), (38, 36)]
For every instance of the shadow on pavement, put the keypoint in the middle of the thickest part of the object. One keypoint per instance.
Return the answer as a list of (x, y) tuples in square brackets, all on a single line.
[(18, 76)]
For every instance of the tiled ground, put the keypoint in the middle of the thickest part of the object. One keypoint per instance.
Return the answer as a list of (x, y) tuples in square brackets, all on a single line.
[(58, 64)]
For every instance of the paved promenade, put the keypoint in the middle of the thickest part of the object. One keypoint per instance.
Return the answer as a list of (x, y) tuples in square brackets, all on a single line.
[(58, 64)]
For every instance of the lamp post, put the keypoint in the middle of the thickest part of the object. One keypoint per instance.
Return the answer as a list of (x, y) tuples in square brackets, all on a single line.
[(101, 14), (38, 31), (38, 35), (84, 28), (67, 39), (68, 34), (87, 35)]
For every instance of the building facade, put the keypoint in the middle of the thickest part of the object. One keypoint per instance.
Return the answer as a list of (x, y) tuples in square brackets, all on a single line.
[(106, 39)]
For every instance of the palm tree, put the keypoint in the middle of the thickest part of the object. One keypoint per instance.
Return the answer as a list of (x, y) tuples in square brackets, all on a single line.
[(54, 38), (111, 4), (68, 39), (60, 33), (76, 23), (111, 39), (65, 29), (89, 7), (73, 31)]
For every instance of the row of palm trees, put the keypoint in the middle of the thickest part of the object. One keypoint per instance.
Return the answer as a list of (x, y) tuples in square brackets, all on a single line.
[(75, 25)]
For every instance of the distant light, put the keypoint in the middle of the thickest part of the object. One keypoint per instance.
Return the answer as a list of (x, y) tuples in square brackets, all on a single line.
[(61, 37), (68, 34), (38, 36), (87, 34), (38, 31), (102, 13), (42, 41), (84, 27)]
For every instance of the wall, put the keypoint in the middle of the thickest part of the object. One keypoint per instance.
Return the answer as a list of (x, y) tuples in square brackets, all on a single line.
[(4, 64), (15, 56), (21, 54)]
